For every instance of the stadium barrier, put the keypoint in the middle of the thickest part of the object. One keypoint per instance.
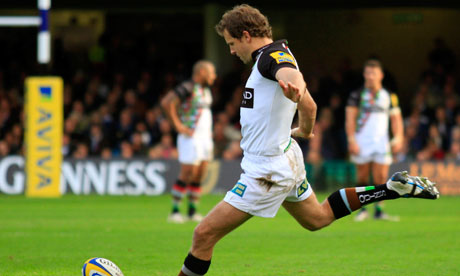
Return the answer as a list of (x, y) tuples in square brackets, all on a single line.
[(118, 176), (155, 177)]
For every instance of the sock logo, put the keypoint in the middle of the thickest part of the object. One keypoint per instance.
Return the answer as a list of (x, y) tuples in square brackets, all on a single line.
[(363, 198)]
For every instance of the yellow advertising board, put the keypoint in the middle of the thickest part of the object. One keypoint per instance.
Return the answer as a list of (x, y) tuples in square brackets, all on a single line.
[(43, 136)]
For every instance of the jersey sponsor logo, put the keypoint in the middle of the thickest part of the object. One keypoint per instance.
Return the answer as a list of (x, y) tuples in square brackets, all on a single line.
[(239, 189), (302, 188), (248, 98), (282, 57), (394, 100)]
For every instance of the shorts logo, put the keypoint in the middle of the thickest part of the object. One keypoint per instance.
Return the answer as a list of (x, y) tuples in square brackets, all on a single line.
[(302, 188), (282, 57), (248, 98), (239, 189)]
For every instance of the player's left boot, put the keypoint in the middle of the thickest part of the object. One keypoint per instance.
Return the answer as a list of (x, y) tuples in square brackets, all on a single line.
[(196, 217), (176, 218), (385, 216), (412, 186)]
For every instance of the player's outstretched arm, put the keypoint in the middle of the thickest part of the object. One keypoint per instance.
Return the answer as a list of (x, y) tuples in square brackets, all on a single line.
[(295, 89)]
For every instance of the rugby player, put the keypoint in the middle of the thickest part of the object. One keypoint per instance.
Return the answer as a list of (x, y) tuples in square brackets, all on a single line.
[(188, 108), (368, 113), (274, 170)]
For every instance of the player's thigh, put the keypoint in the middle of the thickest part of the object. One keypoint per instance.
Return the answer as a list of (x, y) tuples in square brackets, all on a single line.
[(222, 219), (380, 173), (310, 213), (362, 173), (201, 171), (187, 171)]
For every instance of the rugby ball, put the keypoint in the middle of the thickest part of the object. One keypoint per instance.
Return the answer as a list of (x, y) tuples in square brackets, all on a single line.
[(100, 267)]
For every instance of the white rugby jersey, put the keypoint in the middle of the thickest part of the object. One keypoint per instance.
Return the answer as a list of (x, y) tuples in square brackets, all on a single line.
[(372, 123), (195, 108), (266, 114)]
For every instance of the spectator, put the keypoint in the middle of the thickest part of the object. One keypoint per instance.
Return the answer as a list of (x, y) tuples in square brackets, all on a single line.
[(126, 151), (106, 153), (165, 149), (4, 149), (433, 149), (81, 151), (96, 138), (138, 146)]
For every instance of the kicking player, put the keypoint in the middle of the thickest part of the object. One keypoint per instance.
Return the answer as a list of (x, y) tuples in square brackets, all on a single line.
[(273, 165), (188, 108), (367, 121)]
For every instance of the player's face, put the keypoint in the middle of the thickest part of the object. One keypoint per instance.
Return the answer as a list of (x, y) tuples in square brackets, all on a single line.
[(210, 75), (238, 47), (373, 76)]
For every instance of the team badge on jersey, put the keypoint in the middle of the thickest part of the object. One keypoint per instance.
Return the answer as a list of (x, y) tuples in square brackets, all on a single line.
[(282, 57)]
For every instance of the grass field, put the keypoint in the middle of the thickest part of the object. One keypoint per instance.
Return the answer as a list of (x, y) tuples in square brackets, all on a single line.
[(55, 237)]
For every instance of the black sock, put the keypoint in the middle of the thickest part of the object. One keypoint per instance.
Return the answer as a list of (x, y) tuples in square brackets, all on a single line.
[(195, 266), (347, 200), (191, 209), (178, 191)]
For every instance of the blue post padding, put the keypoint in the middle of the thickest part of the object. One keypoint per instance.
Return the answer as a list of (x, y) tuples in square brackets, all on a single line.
[(44, 26)]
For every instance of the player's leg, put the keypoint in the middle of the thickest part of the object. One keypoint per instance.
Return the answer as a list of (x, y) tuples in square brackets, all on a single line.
[(310, 213), (195, 190), (363, 171), (179, 190), (380, 175), (220, 221), (188, 158), (313, 216)]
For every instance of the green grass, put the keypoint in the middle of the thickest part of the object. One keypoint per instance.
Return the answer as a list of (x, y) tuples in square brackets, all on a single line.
[(55, 237)]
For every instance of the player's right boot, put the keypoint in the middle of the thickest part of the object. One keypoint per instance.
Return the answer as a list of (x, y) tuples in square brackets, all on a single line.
[(176, 218), (412, 186)]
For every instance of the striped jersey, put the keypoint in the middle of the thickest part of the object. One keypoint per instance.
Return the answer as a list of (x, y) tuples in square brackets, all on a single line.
[(195, 111), (372, 123)]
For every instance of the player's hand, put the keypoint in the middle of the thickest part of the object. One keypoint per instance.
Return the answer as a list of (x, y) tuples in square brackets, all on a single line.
[(291, 91), (297, 132), (353, 147), (185, 130), (397, 145)]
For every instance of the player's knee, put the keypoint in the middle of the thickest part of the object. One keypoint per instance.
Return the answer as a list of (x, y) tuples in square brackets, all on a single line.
[(203, 234), (314, 225)]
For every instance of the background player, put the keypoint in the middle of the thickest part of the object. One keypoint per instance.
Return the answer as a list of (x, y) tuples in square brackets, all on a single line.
[(367, 121), (188, 108)]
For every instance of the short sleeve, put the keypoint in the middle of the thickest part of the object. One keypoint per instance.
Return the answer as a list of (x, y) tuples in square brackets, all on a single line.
[(354, 99), (270, 63), (183, 90), (394, 104)]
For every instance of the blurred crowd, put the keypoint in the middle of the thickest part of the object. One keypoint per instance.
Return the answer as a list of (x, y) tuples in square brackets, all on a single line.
[(112, 95)]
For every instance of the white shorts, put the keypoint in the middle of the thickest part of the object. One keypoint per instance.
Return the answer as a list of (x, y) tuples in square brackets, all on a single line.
[(380, 158), (372, 150), (193, 150), (286, 174)]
